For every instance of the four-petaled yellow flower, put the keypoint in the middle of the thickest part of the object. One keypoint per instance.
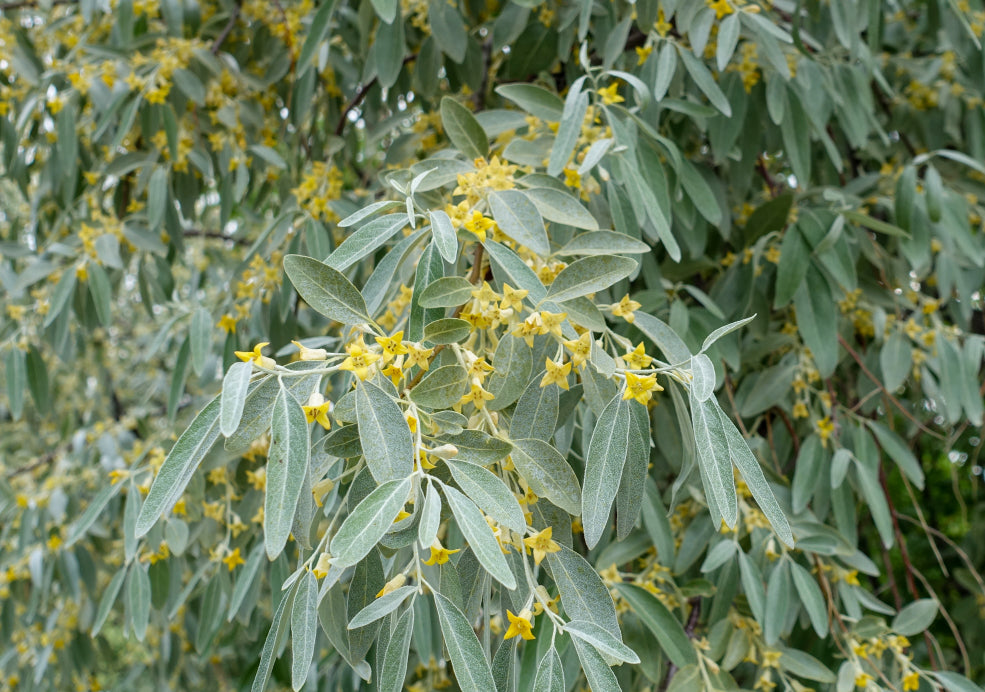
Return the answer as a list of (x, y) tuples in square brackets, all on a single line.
[(233, 560), (485, 294), (541, 544), (322, 566), (360, 359), (479, 224), (419, 356), (556, 374), (550, 322), (393, 346), (637, 358), (825, 429), (310, 353), (641, 388), (722, 8), (439, 554), (316, 410), (478, 396), (911, 681), (581, 349), (625, 308), (521, 624), (513, 298), (610, 94), (258, 359), (227, 323)]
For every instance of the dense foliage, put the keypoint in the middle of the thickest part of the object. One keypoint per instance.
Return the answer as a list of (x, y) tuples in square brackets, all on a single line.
[(533, 344)]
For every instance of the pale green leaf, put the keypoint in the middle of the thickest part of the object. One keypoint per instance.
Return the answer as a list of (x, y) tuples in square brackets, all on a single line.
[(463, 129), (547, 473), (601, 639), (477, 532), (326, 290), (588, 275), (287, 464), (383, 433), (470, 665), (489, 493), (304, 628), (367, 523), (518, 218), (915, 617), (234, 388), (603, 468)]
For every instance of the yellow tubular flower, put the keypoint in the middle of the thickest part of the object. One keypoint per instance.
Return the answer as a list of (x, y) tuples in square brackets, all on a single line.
[(322, 566), (610, 94), (513, 298), (310, 353), (541, 544), (625, 308), (551, 322), (316, 410), (641, 388), (419, 356), (478, 396), (392, 585), (485, 294), (393, 346), (360, 360), (233, 560), (911, 681), (439, 554), (258, 359), (556, 374), (637, 358), (581, 349), (521, 624), (478, 225)]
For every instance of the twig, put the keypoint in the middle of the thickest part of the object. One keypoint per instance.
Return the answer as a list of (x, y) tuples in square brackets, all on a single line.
[(774, 187), (692, 623), (196, 233), (790, 429), (358, 98), (226, 30), (893, 399)]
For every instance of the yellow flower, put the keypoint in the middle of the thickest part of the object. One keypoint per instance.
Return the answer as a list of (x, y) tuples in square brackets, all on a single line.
[(637, 358), (556, 374), (581, 349), (310, 353), (521, 624), (771, 658), (642, 53), (393, 346), (550, 322), (233, 560), (529, 328), (419, 356), (439, 554), (478, 396), (478, 225), (228, 323), (360, 360), (862, 680), (392, 585), (258, 359), (721, 7), (322, 566), (609, 94), (572, 178), (541, 544), (485, 294), (394, 372), (641, 388), (258, 478), (662, 26), (316, 410), (825, 428), (513, 298), (800, 410), (117, 475), (625, 307)]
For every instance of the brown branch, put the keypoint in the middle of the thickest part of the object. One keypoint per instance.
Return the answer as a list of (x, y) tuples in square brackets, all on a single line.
[(896, 402), (358, 98), (788, 424), (226, 30), (775, 187), (692, 623)]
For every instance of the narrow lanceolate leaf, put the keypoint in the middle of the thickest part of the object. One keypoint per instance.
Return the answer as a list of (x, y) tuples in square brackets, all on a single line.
[(722, 331), (470, 665), (811, 597), (108, 599), (394, 668), (590, 274), (536, 412), (326, 290), (572, 117), (367, 523), (384, 434), (603, 468), (234, 387), (817, 320), (661, 622), (364, 241), (277, 625), (381, 607), (463, 129), (427, 529), (550, 673), (601, 639), (477, 532), (547, 473), (752, 474), (665, 338), (287, 465), (604, 243), (179, 466), (702, 377), (445, 238), (304, 629), (583, 594), (518, 218), (598, 673), (713, 455), (92, 512), (490, 493)]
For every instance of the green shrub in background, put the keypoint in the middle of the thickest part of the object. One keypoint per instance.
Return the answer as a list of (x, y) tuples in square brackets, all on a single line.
[(532, 345)]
